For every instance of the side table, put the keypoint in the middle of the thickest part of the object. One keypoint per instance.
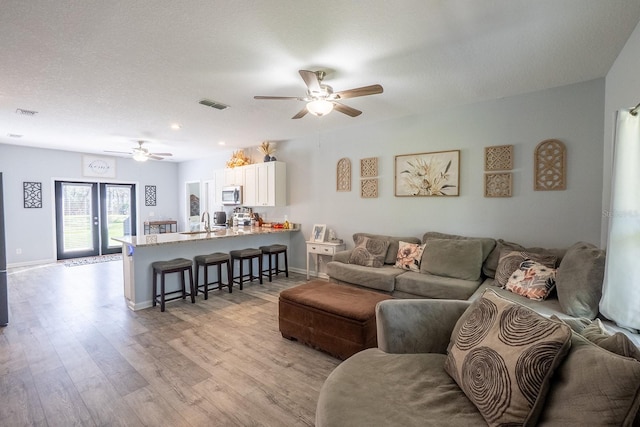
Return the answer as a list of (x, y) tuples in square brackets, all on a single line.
[(322, 248)]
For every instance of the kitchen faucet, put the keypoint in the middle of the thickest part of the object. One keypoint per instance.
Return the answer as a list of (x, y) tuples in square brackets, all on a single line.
[(207, 223)]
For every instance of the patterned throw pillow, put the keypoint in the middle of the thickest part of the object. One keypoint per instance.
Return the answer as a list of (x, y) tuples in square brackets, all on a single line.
[(369, 252), (503, 357), (409, 256), (511, 260), (532, 280)]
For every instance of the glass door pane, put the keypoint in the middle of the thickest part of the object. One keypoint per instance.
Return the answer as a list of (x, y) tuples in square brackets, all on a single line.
[(77, 219), (117, 215)]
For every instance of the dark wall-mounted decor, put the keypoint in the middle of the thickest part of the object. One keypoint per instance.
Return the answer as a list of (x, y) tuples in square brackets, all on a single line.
[(149, 195), (32, 194)]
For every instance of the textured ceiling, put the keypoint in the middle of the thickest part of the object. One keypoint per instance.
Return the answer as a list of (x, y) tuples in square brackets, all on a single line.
[(104, 74)]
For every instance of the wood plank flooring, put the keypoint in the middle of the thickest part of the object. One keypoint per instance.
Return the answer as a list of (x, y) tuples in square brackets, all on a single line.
[(73, 354)]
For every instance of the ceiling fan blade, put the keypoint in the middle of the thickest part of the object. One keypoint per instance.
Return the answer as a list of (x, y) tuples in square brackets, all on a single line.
[(346, 109), (361, 91), (301, 113), (118, 152), (154, 157), (297, 98), (311, 80), (161, 154)]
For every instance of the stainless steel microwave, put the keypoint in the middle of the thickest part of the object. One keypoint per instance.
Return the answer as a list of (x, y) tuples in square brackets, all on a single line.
[(232, 195)]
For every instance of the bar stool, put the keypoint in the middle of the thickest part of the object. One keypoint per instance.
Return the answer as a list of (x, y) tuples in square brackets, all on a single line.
[(178, 265), (246, 254), (272, 251), (218, 259)]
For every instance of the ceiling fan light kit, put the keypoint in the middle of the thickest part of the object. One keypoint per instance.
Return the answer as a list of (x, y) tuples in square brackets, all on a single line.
[(141, 154), (321, 99), (320, 107)]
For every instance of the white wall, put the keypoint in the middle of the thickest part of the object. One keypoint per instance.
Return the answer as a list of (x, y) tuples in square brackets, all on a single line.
[(33, 230), (572, 114), (622, 91)]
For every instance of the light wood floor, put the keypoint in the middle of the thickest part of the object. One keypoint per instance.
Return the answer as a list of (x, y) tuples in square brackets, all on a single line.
[(73, 354)]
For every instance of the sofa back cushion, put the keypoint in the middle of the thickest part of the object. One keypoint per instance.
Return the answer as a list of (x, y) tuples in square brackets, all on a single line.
[(394, 244), (491, 263), (369, 252), (510, 261), (579, 280), (460, 259), (503, 357), (593, 386), (487, 243)]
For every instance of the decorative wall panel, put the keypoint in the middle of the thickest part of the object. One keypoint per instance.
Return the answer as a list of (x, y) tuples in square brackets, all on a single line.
[(498, 184), (550, 163), (343, 175), (498, 158)]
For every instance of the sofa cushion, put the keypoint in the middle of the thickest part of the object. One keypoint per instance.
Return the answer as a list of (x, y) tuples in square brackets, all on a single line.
[(491, 263), (409, 256), (532, 280), (392, 251), (592, 387), (399, 390), (382, 279), (487, 243), (510, 261), (617, 343), (430, 286), (503, 358), (579, 280), (369, 252), (460, 259)]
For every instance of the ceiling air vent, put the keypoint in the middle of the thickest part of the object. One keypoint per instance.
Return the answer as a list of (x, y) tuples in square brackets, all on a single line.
[(24, 112), (214, 104)]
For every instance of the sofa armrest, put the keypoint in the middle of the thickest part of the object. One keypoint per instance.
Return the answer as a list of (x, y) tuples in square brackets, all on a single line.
[(342, 256), (417, 325)]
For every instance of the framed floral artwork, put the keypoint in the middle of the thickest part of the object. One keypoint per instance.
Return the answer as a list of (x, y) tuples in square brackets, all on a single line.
[(428, 174)]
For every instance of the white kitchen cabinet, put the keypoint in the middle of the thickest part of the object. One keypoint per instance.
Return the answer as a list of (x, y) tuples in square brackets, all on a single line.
[(250, 186), (271, 184), (234, 176)]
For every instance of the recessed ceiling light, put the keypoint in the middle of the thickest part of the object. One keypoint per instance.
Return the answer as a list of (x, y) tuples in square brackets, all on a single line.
[(176, 126), (222, 143)]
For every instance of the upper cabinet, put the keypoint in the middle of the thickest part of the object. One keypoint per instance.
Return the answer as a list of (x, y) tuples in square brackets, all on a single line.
[(271, 184), (263, 184), (234, 176)]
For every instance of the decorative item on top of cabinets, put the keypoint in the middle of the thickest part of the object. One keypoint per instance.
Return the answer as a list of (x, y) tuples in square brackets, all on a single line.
[(344, 175), (550, 163), (238, 158), (268, 149)]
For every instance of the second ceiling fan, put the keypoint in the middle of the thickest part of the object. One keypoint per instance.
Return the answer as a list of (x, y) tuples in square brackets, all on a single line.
[(321, 99)]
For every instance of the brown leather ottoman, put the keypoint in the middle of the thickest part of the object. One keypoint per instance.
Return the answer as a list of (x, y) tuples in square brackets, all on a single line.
[(337, 319)]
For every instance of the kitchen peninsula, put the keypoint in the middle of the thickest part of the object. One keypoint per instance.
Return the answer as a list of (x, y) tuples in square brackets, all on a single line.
[(139, 252)]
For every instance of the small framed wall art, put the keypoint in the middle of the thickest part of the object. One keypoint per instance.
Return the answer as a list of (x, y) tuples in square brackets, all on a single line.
[(149, 195), (32, 194), (498, 184), (428, 174), (317, 233), (498, 158)]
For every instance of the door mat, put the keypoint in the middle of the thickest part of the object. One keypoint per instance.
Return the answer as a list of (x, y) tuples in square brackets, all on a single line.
[(74, 262)]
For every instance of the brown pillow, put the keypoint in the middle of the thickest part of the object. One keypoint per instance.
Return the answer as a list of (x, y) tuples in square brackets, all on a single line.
[(503, 357), (511, 260), (592, 387), (369, 252)]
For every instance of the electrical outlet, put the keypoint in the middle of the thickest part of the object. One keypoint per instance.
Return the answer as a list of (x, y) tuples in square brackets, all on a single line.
[(18, 251)]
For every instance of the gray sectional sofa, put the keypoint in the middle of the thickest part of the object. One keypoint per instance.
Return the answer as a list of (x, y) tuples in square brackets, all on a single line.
[(464, 270)]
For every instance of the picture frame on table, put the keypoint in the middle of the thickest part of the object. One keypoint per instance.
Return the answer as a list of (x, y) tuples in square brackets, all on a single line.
[(318, 232), (428, 174)]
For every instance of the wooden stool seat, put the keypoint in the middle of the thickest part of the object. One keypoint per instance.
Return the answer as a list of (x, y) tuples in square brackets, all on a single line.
[(218, 259), (178, 265), (246, 254), (272, 251)]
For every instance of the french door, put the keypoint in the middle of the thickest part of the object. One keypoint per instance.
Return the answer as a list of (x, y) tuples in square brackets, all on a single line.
[(90, 214)]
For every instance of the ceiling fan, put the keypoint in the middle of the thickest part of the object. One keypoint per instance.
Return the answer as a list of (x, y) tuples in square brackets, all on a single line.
[(141, 154), (321, 99)]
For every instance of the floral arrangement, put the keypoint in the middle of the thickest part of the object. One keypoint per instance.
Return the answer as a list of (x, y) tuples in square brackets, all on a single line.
[(267, 148), (238, 158)]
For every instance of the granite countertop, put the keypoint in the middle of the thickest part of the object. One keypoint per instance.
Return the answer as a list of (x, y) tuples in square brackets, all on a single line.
[(187, 237)]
